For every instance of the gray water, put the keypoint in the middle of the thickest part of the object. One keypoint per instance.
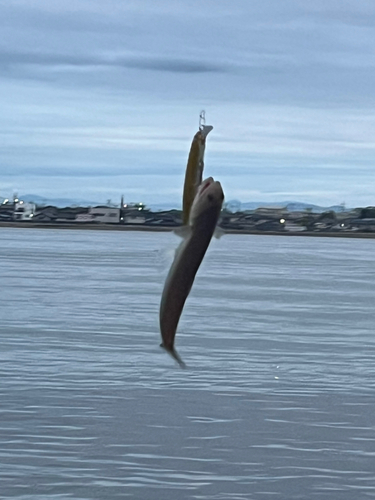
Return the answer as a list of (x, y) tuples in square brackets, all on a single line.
[(277, 400)]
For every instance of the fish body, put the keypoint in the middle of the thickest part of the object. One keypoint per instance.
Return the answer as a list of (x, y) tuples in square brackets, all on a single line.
[(194, 170), (204, 214)]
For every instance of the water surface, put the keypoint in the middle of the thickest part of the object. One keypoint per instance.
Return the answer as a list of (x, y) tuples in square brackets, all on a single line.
[(277, 401)]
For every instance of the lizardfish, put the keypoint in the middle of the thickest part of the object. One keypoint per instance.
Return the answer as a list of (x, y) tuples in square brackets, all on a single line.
[(203, 218), (194, 170)]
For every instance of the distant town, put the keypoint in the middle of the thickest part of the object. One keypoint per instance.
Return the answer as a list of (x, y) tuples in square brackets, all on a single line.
[(289, 219)]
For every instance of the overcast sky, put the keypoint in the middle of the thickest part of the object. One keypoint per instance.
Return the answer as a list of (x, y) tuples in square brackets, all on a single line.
[(100, 99)]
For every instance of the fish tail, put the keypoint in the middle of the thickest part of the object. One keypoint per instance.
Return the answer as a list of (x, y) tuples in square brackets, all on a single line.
[(172, 351), (176, 356)]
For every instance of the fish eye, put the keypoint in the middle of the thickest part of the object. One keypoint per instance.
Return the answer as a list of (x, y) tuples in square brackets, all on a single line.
[(210, 197)]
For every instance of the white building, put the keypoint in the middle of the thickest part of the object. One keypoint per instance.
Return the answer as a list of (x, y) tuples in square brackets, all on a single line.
[(105, 215), (23, 211), (293, 227)]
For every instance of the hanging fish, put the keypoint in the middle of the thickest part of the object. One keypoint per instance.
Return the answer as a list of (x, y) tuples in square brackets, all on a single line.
[(194, 168), (204, 214)]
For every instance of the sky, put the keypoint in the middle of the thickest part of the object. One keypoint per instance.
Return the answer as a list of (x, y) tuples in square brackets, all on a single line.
[(100, 99)]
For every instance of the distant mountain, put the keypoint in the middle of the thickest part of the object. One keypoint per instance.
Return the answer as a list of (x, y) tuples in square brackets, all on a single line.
[(157, 207), (291, 206), (300, 207), (232, 205)]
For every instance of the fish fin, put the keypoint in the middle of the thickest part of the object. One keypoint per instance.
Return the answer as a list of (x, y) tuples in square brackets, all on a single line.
[(174, 355), (219, 232), (182, 231)]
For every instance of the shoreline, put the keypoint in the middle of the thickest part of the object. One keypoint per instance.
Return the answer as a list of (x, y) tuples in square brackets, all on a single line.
[(118, 227)]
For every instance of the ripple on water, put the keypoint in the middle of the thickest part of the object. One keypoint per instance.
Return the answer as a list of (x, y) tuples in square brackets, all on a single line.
[(276, 401)]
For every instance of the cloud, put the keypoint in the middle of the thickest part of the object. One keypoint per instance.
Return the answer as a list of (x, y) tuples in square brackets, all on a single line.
[(174, 66), (102, 95), (10, 59), (71, 172)]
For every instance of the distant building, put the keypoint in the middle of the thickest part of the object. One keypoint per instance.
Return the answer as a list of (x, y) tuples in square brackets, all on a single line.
[(46, 214), (170, 218), (84, 218), (363, 224), (54, 214), (6, 210), (23, 211), (134, 219), (104, 215), (269, 225), (293, 227), (270, 212), (133, 213)]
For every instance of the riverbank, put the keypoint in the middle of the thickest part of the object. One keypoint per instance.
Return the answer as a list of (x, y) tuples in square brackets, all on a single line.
[(118, 227)]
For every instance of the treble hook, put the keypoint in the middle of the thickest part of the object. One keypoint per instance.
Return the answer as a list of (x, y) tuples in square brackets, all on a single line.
[(202, 119)]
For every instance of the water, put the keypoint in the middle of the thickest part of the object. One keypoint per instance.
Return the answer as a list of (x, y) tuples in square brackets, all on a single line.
[(277, 401)]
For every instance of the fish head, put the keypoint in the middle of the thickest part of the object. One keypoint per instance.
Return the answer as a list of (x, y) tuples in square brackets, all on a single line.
[(209, 199)]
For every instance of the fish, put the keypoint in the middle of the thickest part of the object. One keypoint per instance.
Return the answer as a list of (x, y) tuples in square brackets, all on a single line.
[(204, 214), (194, 170)]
